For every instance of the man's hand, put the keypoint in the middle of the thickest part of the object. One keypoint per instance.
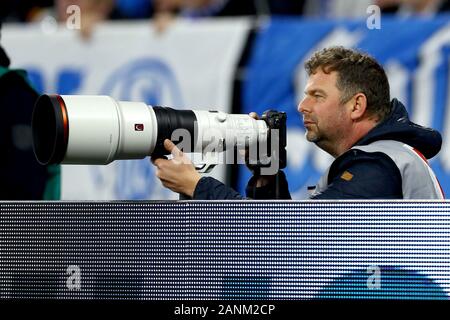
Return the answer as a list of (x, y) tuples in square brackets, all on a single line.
[(177, 174)]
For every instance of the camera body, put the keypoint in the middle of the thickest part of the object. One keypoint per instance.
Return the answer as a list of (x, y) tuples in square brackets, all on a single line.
[(276, 121)]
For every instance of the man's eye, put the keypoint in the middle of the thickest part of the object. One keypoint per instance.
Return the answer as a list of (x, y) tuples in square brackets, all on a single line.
[(317, 96)]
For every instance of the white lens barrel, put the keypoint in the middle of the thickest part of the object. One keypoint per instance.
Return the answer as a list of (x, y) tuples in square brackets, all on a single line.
[(102, 130), (138, 130), (72, 129), (232, 129), (93, 129)]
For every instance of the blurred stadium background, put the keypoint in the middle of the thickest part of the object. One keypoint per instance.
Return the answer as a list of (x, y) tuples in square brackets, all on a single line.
[(229, 55)]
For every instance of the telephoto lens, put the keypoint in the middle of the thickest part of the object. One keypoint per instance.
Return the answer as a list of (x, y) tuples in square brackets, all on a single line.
[(71, 129)]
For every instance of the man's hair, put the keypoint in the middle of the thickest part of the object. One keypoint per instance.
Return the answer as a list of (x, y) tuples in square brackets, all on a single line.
[(356, 72)]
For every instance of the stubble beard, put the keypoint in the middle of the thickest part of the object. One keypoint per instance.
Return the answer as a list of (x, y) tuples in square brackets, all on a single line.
[(312, 135), (318, 139)]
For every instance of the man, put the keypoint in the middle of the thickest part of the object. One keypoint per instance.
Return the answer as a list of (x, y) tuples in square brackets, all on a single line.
[(379, 153)]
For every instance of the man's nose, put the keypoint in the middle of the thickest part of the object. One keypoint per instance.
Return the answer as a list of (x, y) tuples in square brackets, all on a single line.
[(302, 106)]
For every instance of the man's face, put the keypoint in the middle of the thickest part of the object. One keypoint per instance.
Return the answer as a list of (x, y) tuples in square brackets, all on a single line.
[(326, 120)]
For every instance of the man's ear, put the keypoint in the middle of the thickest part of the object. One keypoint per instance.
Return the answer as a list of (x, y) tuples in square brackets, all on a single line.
[(359, 106)]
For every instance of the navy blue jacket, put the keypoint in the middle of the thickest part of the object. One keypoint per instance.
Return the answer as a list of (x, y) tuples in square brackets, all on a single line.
[(375, 175)]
